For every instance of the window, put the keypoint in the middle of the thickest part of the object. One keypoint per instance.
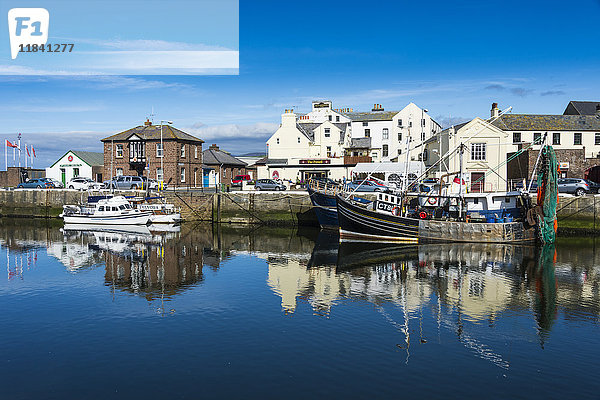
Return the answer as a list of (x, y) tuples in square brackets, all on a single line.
[(196, 151), (399, 136), (422, 136), (367, 133), (385, 150), (425, 155), (556, 138), (327, 132), (577, 138), (423, 122), (75, 172), (399, 151), (159, 150), (386, 134), (365, 123), (119, 151), (182, 174), (478, 151), (298, 139), (183, 151), (537, 137), (337, 118), (101, 208), (516, 137), (597, 138), (400, 123), (277, 140), (410, 124), (159, 174), (330, 117), (328, 151)]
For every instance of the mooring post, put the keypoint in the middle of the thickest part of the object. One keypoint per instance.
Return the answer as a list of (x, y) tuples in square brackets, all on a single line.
[(218, 208), (594, 212)]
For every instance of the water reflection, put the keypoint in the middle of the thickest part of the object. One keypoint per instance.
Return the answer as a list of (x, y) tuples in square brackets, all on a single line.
[(462, 287)]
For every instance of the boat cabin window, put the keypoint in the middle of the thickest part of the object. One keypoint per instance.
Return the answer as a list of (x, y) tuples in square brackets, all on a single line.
[(115, 209), (101, 208), (476, 200), (121, 207), (127, 206), (507, 200)]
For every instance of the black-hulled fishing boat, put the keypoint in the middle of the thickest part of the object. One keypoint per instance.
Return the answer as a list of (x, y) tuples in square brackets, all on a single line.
[(390, 218), (322, 195)]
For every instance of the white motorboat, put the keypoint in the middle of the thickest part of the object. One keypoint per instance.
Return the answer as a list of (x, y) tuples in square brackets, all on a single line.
[(113, 211), (162, 213)]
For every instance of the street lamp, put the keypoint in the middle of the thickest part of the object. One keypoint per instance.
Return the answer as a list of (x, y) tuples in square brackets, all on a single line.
[(162, 152)]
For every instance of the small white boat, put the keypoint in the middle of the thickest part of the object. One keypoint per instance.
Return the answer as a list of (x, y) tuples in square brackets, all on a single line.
[(162, 213), (113, 211)]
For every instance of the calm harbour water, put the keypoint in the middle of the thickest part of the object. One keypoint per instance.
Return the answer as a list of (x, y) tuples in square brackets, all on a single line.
[(277, 313)]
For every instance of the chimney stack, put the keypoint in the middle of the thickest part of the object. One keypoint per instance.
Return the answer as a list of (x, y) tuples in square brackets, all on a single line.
[(147, 123), (377, 107), (214, 147), (495, 110)]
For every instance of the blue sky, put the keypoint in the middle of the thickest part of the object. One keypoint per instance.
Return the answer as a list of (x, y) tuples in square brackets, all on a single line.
[(453, 59)]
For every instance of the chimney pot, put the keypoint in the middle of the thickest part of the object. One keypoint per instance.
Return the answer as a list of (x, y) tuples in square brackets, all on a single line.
[(147, 123)]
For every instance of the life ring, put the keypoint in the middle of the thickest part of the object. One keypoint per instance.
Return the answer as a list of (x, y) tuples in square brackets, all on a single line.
[(396, 211), (423, 215), (432, 200)]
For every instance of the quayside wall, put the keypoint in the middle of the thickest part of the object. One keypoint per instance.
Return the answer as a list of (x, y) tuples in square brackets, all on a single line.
[(580, 214)]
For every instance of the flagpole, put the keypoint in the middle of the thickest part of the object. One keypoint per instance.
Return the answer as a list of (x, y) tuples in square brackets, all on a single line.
[(6, 154), (25, 155), (19, 150)]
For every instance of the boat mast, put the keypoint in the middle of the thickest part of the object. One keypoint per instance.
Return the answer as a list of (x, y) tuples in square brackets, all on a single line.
[(460, 181), (405, 177)]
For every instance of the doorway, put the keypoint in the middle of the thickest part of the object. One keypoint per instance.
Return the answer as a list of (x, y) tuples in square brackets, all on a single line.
[(63, 176), (477, 182)]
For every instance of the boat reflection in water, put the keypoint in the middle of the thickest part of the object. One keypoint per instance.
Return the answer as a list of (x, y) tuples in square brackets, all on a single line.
[(464, 288)]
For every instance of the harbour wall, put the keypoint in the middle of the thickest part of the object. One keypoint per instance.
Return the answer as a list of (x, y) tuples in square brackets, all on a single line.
[(276, 208), (575, 214)]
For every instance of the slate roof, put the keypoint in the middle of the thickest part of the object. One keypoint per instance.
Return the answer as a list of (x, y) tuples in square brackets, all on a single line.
[(581, 108), (152, 132), (92, 158), (536, 122), (371, 116), (360, 143), (308, 129), (218, 157)]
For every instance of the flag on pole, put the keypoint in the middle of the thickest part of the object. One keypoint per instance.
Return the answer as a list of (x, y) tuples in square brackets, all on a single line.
[(33, 151), (27, 150), (9, 144)]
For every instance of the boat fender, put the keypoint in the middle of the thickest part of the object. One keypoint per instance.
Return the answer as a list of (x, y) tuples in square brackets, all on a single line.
[(396, 211), (423, 215), (432, 200)]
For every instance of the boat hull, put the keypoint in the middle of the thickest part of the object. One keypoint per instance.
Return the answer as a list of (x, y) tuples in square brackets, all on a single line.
[(360, 224), (325, 208), (165, 218), (140, 218)]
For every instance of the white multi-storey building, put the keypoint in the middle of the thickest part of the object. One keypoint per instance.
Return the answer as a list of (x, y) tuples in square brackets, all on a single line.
[(390, 130)]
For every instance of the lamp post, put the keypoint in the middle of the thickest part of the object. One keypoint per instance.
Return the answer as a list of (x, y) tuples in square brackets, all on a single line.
[(162, 152)]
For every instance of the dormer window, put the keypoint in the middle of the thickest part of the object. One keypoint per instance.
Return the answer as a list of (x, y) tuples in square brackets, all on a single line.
[(327, 132)]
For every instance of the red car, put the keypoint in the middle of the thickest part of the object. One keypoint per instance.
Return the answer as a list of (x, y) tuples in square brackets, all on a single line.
[(238, 179)]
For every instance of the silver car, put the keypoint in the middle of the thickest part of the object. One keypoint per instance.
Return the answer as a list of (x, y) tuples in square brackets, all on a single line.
[(268, 184), (576, 186)]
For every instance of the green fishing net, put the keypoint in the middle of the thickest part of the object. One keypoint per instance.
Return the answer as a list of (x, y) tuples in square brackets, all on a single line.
[(547, 181)]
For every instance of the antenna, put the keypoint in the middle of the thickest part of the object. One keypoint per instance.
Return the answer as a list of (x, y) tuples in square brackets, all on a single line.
[(151, 116)]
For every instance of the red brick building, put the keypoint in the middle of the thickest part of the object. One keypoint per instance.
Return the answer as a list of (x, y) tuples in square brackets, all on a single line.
[(225, 165), (138, 151)]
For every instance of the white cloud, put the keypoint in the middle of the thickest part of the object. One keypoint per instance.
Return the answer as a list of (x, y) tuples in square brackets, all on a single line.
[(147, 45), (259, 130)]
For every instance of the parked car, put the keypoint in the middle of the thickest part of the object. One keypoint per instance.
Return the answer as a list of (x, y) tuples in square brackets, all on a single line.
[(238, 179), (268, 184), (367, 186), (35, 184), (594, 186), (574, 186), (126, 182), (56, 184), (82, 183)]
